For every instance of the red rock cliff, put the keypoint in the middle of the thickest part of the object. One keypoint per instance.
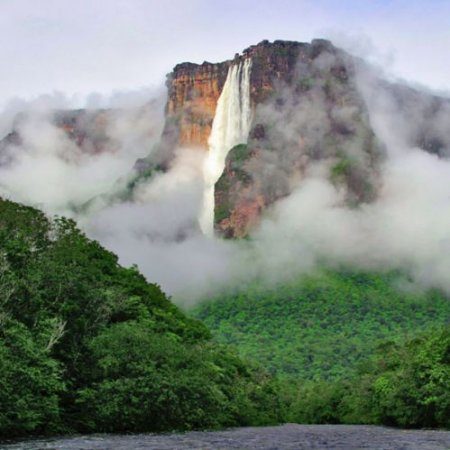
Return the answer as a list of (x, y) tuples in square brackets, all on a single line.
[(193, 91), (285, 77)]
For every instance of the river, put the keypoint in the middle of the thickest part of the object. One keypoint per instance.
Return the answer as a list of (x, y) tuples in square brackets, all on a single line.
[(289, 436)]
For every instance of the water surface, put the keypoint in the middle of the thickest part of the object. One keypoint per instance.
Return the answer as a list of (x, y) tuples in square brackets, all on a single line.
[(289, 436)]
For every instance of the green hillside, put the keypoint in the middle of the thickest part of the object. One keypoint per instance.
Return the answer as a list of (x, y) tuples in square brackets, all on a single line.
[(322, 326), (404, 384), (87, 345)]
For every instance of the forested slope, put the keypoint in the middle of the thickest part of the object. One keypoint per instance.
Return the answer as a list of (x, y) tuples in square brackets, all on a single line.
[(88, 345), (322, 326)]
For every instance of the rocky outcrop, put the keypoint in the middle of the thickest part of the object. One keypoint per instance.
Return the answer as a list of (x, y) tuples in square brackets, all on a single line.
[(193, 91), (87, 129), (307, 109)]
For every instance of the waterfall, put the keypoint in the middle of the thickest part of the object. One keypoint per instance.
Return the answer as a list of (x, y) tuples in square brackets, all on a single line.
[(230, 127)]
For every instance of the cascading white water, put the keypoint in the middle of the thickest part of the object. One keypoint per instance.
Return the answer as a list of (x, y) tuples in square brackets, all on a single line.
[(230, 127)]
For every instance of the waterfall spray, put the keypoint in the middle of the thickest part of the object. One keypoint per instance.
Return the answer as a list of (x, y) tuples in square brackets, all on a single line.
[(230, 127)]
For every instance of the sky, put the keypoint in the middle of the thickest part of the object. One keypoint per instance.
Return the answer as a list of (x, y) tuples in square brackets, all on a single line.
[(86, 49)]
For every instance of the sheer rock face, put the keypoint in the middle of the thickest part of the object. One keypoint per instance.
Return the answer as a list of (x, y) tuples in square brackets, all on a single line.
[(306, 110), (309, 110), (276, 63), (193, 91), (285, 77)]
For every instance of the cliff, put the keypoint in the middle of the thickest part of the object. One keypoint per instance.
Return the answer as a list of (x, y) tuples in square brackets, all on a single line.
[(296, 92), (86, 128), (193, 93), (307, 109), (194, 89)]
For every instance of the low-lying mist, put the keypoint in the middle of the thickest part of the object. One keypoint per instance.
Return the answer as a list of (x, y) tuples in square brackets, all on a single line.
[(406, 227), (41, 165)]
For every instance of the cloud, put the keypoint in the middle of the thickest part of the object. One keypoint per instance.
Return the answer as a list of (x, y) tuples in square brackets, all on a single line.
[(406, 227), (159, 231), (49, 168)]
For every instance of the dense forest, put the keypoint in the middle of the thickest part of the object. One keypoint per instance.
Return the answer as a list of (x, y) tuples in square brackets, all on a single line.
[(322, 326), (87, 345), (403, 384), (346, 347)]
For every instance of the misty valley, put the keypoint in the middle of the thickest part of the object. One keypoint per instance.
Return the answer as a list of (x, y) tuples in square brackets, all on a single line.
[(264, 243)]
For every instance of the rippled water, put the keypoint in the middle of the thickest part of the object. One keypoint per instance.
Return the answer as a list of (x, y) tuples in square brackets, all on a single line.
[(288, 436)]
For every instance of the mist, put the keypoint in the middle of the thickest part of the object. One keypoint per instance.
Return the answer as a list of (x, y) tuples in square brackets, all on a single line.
[(406, 227), (159, 231), (47, 168)]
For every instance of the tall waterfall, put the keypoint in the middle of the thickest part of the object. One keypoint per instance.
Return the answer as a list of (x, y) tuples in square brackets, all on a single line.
[(230, 127)]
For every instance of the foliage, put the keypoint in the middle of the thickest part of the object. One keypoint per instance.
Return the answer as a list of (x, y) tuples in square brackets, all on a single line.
[(341, 169), (239, 154), (88, 345), (172, 386), (348, 347), (405, 385), (236, 159), (139, 178), (322, 326), (305, 83), (348, 172), (222, 207), (30, 380)]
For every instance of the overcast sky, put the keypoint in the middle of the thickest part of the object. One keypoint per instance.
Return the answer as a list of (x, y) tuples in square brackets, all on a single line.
[(79, 47)]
